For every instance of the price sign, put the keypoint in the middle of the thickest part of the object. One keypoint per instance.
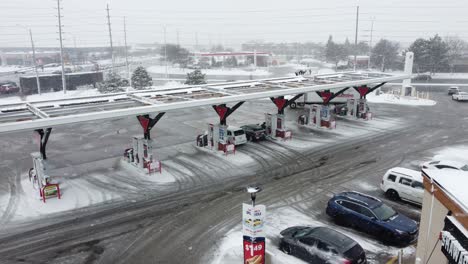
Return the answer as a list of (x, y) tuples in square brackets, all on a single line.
[(254, 252)]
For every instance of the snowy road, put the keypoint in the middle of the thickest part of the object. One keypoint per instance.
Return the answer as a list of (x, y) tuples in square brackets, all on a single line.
[(126, 219)]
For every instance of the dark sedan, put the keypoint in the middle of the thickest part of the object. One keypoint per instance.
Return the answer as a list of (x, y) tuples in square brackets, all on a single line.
[(321, 245), (254, 132)]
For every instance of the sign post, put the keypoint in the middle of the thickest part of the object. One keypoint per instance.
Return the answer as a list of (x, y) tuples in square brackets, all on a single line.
[(253, 229)]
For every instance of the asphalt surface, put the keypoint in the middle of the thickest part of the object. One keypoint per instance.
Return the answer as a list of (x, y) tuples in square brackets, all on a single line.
[(182, 222)]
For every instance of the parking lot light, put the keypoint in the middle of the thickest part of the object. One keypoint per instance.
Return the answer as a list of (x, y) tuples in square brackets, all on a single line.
[(253, 190)]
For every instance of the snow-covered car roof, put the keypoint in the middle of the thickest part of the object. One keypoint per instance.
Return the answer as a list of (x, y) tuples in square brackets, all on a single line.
[(416, 175)]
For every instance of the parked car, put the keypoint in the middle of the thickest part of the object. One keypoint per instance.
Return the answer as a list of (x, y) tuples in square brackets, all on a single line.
[(445, 164), (372, 216), (8, 87), (423, 77), (254, 132), (321, 245), (460, 96), (236, 135), (405, 184), (453, 90)]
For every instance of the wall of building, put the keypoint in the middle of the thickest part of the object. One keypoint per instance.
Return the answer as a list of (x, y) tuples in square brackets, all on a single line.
[(432, 245)]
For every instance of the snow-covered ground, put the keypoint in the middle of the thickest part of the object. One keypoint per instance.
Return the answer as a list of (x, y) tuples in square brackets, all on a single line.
[(400, 100), (211, 72), (455, 153), (230, 249), (7, 69), (456, 75)]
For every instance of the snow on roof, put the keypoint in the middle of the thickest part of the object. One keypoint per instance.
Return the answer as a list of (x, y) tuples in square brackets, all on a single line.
[(453, 182)]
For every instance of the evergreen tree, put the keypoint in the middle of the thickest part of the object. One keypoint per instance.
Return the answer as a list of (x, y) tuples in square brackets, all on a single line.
[(420, 49), (430, 55), (385, 54), (141, 79), (335, 52), (112, 84), (195, 78), (231, 61), (438, 54)]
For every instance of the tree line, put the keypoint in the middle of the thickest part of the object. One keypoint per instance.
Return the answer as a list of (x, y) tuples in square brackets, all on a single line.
[(430, 55)]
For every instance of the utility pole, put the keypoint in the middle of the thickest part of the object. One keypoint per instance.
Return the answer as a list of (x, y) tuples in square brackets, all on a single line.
[(165, 51), (35, 63), (64, 81), (370, 42), (355, 37), (126, 50), (110, 37)]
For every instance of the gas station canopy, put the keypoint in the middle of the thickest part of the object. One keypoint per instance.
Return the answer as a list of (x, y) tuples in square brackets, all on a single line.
[(30, 115)]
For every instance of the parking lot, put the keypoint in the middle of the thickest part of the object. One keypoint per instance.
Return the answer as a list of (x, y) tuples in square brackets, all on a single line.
[(191, 216)]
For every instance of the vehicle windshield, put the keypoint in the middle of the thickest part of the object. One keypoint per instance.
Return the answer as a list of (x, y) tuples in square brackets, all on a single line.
[(238, 132), (464, 168), (384, 212), (302, 232)]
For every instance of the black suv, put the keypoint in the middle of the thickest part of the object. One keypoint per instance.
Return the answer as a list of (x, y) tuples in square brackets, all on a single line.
[(321, 245), (254, 132)]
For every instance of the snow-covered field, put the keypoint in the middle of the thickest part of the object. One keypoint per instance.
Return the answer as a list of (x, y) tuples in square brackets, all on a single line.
[(211, 72), (400, 100), (456, 75)]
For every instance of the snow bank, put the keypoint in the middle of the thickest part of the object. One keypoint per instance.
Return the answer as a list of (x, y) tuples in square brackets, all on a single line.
[(455, 153), (76, 193), (8, 69), (230, 249), (401, 100), (450, 76), (240, 72)]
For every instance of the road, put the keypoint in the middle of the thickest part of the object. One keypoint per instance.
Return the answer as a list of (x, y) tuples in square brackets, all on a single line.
[(182, 222)]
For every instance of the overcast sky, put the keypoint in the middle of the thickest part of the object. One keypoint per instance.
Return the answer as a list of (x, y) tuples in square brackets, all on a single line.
[(229, 22)]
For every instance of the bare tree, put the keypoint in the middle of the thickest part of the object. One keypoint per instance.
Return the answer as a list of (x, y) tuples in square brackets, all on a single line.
[(456, 47)]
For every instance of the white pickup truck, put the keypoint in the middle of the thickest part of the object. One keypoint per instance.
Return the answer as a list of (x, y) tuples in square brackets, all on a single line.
[(460, 96)]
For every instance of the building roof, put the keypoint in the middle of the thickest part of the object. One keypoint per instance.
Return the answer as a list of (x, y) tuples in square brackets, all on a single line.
[(453, 183)]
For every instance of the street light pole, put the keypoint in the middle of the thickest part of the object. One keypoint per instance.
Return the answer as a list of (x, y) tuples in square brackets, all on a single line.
[(35, 63), (165, 51), (64, 81), (126, 52), (355, 37)]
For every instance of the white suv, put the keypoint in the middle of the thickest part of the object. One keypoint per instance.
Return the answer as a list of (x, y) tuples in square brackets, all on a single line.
[(404, 184), (236, 135)]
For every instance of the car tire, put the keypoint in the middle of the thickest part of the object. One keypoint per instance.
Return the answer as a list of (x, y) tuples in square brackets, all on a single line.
[(293, 105), (286, 249), (393, 195)]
